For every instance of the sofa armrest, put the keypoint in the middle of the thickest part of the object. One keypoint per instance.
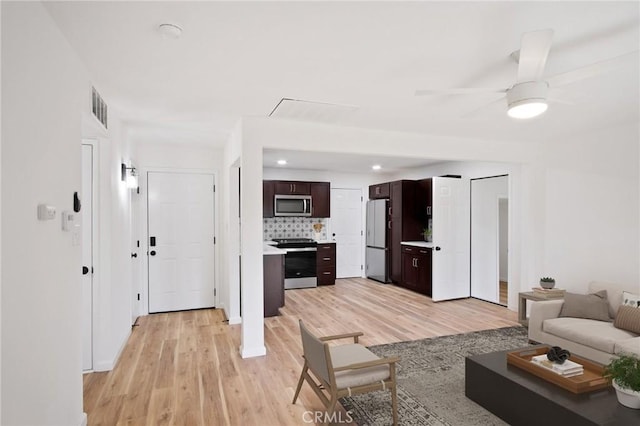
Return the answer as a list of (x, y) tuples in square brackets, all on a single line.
[(541, 311)]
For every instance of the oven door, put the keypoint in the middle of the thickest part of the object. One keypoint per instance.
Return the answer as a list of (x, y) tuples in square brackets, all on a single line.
[(300, 268)]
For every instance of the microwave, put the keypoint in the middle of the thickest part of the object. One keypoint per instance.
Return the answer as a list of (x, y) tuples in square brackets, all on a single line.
[(292, 205)]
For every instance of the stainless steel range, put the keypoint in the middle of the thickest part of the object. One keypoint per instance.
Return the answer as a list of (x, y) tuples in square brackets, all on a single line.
[(299, 262)]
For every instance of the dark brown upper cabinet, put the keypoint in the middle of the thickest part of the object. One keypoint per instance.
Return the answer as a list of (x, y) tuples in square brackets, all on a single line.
[(292, 188), (381, 190), (320, 199), (268, 193)]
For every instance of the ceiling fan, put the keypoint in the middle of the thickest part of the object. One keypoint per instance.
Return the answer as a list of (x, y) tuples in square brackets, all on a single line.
[(528, 97)]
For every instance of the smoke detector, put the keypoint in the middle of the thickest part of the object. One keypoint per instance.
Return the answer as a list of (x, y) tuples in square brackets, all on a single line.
[(170, 30)]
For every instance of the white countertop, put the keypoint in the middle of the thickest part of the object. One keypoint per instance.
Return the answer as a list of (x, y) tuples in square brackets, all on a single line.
[(270, 249), (423, 244)]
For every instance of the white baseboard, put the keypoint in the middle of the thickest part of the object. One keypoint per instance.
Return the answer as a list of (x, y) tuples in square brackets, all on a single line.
[(235, 320), (83, 419), (253, 352), (109, 364)]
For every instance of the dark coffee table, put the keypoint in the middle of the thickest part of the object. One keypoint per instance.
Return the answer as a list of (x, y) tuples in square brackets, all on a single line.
[(520, 398)]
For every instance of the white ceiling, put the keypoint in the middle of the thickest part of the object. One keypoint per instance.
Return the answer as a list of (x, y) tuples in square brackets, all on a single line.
[(240, 58)]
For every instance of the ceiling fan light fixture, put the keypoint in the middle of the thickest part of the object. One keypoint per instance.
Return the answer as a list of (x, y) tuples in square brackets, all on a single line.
[(528, 108), (527, 100)]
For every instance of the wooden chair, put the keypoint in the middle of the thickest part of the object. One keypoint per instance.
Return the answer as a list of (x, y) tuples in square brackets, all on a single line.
[(344, 370)]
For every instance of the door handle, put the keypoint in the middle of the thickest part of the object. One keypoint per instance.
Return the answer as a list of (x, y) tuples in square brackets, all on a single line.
[(85, 270), (134, 254), (436, 248), (152, 252)]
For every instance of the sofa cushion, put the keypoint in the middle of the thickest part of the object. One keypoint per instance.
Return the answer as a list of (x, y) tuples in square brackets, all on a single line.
[(614, 294), (630, 299), (592, 306), (595, 334), (628, 346), (628, 318)]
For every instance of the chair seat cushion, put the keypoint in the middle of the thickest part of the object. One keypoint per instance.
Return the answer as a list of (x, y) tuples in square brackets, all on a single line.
[(351, 354)]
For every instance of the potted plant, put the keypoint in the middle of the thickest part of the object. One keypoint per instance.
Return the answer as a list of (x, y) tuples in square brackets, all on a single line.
[(426, 233), (624, 372), (547, 282)]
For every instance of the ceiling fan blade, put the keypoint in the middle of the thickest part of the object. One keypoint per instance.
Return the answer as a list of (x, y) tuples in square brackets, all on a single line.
[(592, 70), (459, 91), (534, 49), (486, 108)]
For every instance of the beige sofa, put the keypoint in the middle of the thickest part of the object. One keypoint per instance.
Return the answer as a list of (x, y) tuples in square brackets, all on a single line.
[(595, 340)]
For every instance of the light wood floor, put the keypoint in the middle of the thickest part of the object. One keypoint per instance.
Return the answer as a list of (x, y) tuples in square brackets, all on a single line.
[(184, 368), (504, 292)]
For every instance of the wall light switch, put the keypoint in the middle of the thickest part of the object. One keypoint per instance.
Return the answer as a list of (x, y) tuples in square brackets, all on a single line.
[(68, 219), (46, 212)]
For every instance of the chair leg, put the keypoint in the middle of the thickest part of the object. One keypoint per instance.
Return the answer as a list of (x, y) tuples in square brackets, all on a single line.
[(394, 405), (331, 408), (304, 370)]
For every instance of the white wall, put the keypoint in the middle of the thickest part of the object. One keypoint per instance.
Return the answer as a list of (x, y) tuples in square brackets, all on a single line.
[(44, 88), (173, 157), (590, 212), (230, 233)]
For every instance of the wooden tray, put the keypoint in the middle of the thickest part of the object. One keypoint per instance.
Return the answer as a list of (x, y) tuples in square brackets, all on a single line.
[(591, 380)]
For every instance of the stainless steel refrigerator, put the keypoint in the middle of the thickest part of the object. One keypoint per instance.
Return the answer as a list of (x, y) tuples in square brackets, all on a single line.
[(377, 253)]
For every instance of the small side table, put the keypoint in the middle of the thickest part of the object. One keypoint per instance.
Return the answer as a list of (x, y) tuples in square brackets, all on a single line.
[(522, 304)]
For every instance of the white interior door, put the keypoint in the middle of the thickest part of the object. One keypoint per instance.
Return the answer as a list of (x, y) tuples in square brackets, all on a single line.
[(181, 241), (485, 231), (135, 256), (86, 217), (450, 268), (346, 224)]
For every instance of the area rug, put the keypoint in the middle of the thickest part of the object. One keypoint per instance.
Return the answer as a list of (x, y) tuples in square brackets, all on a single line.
[(430, 378)]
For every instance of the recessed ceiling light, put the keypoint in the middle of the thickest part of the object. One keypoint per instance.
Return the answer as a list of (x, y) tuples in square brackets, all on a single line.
[(376, 167), (282, 162), (170, 30)]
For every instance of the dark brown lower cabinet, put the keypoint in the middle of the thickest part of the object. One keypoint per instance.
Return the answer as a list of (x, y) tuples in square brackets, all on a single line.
[(273, 276), (326, 264), (416, 269)]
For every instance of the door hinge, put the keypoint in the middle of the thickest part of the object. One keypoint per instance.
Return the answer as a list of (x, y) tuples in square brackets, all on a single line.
[(138, 296), (137, 190), (214, 188), (214, 240), (361, 267), (214, 292), (138, 243), (361, 199), (361, 232), (92, 270)]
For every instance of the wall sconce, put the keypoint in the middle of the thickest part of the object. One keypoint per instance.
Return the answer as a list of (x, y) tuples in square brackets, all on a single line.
[(129, 175)]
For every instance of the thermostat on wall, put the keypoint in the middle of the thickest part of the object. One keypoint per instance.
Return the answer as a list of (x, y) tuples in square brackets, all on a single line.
[(46, 212)]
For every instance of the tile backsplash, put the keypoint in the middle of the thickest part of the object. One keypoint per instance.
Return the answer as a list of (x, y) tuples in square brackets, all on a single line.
[(293, 227)]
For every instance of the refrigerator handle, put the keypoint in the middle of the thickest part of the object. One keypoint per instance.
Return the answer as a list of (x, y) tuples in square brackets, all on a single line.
[(389, 224)]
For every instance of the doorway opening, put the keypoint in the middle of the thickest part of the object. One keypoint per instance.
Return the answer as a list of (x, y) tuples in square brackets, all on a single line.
[(490, 239)]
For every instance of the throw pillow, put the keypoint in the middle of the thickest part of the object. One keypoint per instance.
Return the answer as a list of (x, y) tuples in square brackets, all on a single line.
[(591, 306), (628, 318), (630, 299)]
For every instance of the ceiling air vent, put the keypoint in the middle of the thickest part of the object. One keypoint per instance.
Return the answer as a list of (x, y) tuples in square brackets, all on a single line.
[(312, 111), (98, 107)]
